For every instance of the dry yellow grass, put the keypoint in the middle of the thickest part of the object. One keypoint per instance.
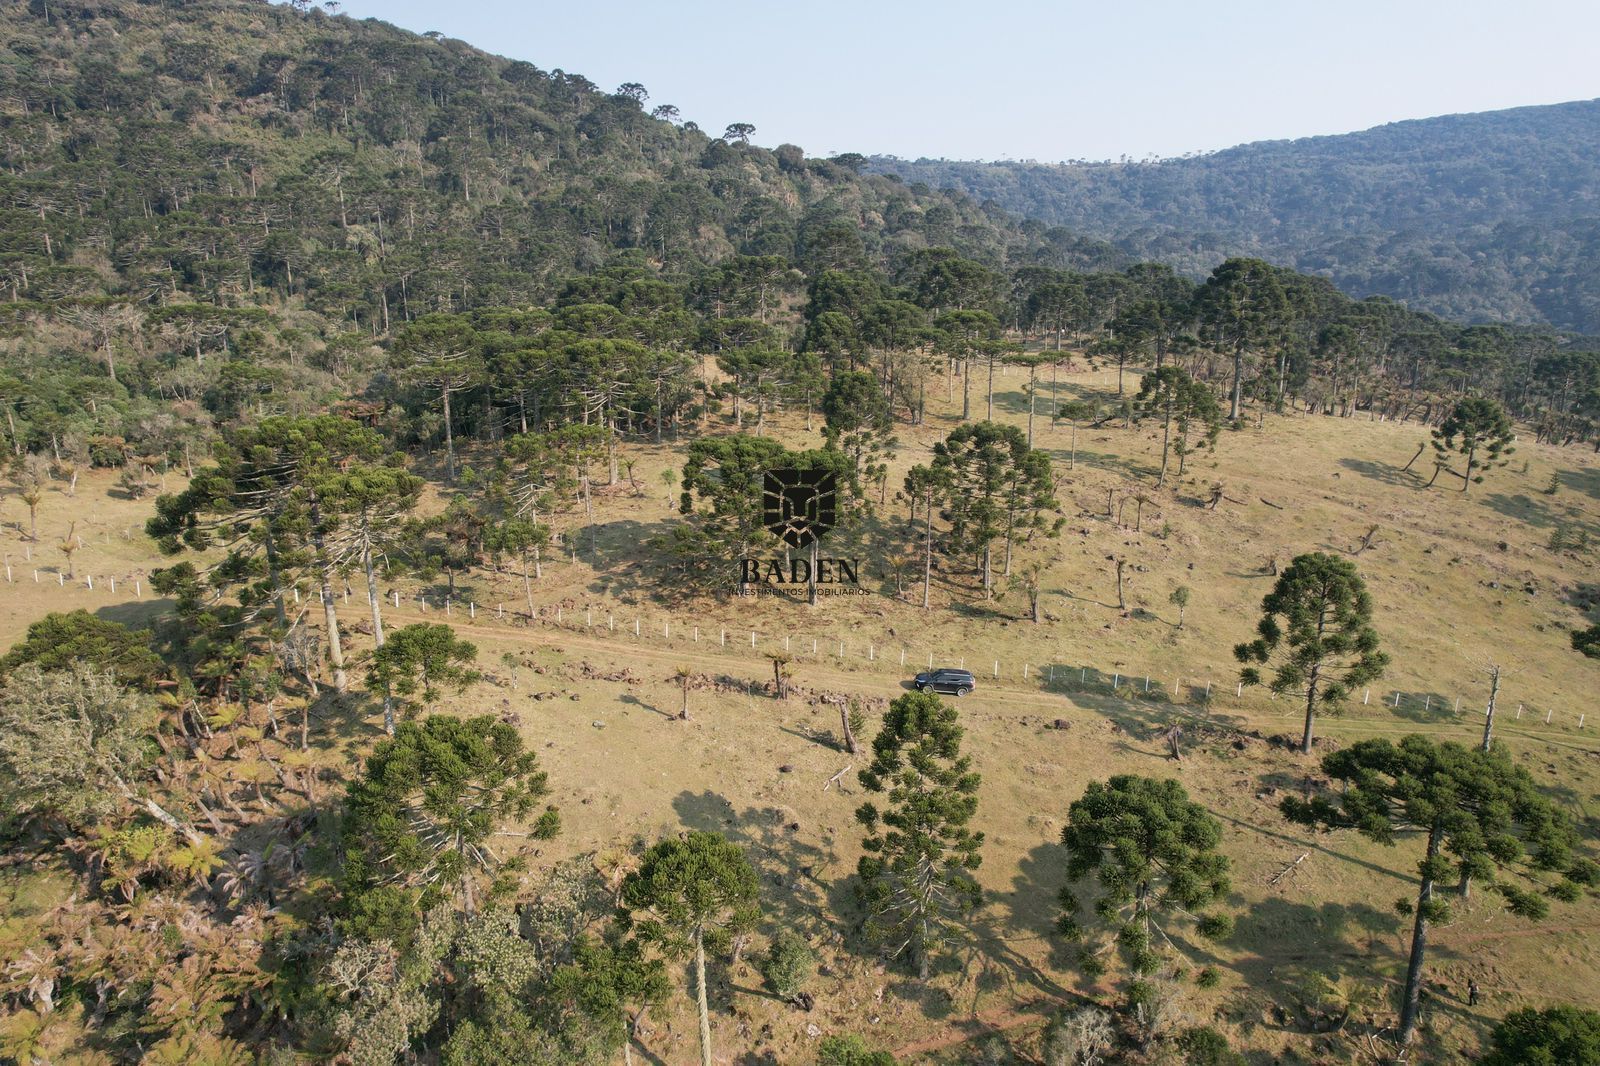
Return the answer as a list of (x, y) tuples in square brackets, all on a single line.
[(748, 765)]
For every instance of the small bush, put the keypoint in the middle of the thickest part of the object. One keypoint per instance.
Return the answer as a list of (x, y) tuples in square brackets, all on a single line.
[(788, 964), (1204, 1046), (850, 1050)]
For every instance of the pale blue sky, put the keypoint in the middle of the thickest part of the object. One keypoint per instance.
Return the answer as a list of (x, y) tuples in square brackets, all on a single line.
[(1029, 79)]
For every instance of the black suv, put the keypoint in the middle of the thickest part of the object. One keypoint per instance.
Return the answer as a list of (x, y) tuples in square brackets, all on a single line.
[(960, 682)]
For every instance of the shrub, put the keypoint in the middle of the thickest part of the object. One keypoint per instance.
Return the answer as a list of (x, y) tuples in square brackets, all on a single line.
[(788, 965)]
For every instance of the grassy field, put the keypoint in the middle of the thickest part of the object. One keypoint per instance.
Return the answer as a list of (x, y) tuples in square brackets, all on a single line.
[(1461, 580)]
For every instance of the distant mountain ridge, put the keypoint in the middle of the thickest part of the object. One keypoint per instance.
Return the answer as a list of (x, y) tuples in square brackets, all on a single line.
[(1482, 216)]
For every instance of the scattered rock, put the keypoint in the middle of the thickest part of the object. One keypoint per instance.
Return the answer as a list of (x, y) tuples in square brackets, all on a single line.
[(812, 1030), (1059, 723), (598, 724), (786, 768)]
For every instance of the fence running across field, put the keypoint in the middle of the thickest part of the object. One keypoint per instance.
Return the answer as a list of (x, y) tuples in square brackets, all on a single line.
[(1199, 687)]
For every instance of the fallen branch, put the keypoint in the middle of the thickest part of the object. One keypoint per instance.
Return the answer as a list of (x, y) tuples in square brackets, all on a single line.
[(1269, 503), (1279, 876), (1367, 541), (835, 778)]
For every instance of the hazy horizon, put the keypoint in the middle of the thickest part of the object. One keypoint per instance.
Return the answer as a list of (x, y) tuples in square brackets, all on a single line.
[(1043, 81)]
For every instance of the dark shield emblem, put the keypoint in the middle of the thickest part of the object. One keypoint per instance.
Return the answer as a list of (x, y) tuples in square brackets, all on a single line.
[(799, 506)]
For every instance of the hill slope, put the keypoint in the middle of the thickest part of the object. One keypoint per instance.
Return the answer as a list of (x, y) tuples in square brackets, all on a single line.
[(211, 146), (1482, 216)]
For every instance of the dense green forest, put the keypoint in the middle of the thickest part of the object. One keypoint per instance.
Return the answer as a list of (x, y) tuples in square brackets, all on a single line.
[(1480, 217), (218, 149), (212, 202), (335, 308)]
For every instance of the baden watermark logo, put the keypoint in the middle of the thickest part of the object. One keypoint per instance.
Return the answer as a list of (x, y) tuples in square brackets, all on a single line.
[(799, 507)]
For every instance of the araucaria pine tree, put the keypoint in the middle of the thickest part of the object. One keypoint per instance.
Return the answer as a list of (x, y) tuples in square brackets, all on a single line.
[(1479, 814), (1316, 629), (688, 895), (1479, 430), (419, 820), (916, 877), (1154, 854)]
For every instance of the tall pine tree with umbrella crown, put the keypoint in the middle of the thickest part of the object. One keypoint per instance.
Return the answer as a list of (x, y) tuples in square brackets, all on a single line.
[(1154, 854), (1478, 813), (1316, 628)]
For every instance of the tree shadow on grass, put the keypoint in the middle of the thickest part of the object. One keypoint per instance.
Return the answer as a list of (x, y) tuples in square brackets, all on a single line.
[(794, 874), (1387, 473), (1284, 944), (1585, 596), (137, 614), (1521, 508), (1313, 845), (1033, 907), (1585, 479), (1424, 707), (629, 699)]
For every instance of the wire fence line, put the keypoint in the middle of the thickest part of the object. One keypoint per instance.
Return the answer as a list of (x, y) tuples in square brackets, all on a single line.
[(1196, 687), (1204, 687)]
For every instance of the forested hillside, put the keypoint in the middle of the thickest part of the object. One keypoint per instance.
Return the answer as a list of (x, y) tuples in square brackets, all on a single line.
[(1492, 216), (217, 149)]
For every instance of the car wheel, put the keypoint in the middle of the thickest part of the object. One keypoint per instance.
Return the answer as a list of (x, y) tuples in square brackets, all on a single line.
[(963, 690), (920, 686)]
